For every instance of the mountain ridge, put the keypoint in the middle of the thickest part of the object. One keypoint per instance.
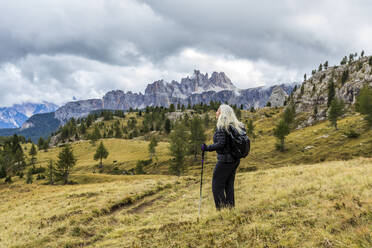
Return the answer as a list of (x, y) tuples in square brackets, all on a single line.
[(190, 90), (17, 114)]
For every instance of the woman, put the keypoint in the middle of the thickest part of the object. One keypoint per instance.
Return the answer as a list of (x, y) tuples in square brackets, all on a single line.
[(224, 172)]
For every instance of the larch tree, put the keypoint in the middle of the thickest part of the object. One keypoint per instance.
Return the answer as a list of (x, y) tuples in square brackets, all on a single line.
[(101, 153)]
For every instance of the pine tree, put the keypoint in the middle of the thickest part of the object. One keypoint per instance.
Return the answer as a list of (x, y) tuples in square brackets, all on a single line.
[(152, 145), (343, 61), (336, 110), (167, 126), (280, 132), (320, 67), (83, 128), (289, 114), (118, 132), (172, 108), (344, 77), (197, 136), (33, 153), (40, 143), (50, 172), (326, 65), (178, 148), (331, 92), (29, 177), (364, 104), (101, 153), (96, 135), (66, 161)]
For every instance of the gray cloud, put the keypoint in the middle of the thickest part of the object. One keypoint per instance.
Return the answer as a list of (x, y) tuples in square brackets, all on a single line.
[(54, 50)]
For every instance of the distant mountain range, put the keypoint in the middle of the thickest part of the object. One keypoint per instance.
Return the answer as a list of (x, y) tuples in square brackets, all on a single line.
[(190, 90), (16, 115)]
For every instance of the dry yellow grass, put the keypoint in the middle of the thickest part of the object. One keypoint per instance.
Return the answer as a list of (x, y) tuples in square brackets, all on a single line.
[(125, 152), (320, 205)]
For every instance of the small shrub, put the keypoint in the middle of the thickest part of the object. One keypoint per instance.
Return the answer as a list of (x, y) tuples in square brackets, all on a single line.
[(40, 177), (352, 134), (37, 170), (8, 179)]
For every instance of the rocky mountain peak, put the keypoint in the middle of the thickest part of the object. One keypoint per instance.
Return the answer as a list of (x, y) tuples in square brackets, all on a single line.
[(191, 90)]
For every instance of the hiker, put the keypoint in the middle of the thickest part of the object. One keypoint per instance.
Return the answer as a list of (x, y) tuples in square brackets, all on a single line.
[(225, 169)]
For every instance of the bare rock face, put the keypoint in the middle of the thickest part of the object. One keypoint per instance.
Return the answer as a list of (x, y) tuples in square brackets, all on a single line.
[(278, 97), (77, 109), (313, 94), (192, 90)]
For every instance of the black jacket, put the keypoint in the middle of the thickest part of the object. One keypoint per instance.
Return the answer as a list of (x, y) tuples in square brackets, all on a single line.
[(222, 145)]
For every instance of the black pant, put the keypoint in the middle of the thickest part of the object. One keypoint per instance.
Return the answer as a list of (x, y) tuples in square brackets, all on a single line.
[(223, 184)]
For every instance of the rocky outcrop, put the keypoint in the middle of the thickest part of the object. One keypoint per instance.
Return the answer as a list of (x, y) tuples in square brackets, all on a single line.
[(77, 109), (348, 80), (278, 97), (191, 90)]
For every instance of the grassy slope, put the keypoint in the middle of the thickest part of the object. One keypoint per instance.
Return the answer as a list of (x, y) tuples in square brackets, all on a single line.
[(125, 152), (320, 205), (317, 143)]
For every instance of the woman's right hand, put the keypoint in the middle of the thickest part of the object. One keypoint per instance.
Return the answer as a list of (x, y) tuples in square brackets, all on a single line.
[(203, 147)]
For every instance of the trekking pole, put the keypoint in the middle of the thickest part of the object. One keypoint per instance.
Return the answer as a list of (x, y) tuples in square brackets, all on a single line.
[(201, 182)]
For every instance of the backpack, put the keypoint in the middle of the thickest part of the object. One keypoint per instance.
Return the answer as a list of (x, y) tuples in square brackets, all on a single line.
[(240, 143)]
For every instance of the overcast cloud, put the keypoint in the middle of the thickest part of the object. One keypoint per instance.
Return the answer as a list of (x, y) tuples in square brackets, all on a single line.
[(56, 50)]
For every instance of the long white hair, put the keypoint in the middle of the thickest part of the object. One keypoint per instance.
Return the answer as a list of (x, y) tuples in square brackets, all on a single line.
[(227, 118)]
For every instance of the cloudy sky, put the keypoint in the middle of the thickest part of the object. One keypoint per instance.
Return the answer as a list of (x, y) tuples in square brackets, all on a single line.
[(55, 50)]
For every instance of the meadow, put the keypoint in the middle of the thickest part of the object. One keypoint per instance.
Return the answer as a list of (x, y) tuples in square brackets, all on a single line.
[(318, 193), (321, 205)]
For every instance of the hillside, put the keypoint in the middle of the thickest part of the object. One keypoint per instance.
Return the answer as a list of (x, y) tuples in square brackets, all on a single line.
[(317, 143), (320, 205)]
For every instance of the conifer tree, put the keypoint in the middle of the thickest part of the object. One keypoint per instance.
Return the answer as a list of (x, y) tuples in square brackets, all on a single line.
[(118, 132), (172, 108), (29, 177), (33, 153), (66, 161), (178, 148), (101, 153), (51, 172), (364, 104), (289, 114), (280, 132), (197, 136), (96, 135), (40, 143), (336, 110), (331, 92), (167, 126), (152, 145)]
